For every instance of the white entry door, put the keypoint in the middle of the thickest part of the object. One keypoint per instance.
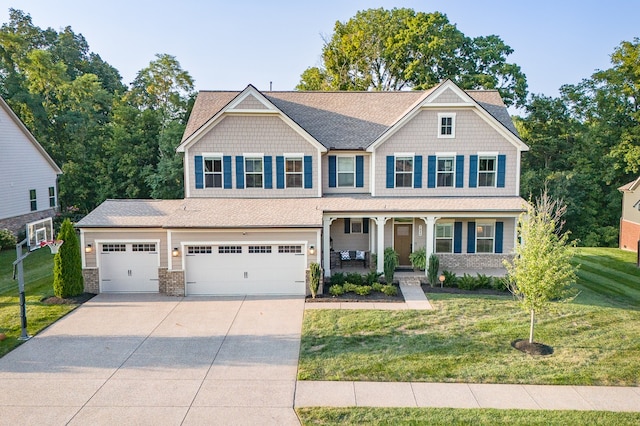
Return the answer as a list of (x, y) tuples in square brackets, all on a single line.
[(245, 269), (129, 267)]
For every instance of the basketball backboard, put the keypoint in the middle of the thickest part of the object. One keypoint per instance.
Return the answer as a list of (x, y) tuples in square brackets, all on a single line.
[(39, 231)]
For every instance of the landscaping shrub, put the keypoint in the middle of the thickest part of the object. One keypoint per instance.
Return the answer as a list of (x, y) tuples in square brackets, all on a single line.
[(390, 264), (418, 259), (363, 290), (467, 282), (372, 277), (337, 278), (336, 290), (67, 264), (450, 279), (314, 278), (349, 287), (377, 286), (354, 277), (483, 281), (500, 283), (7, 239), (390, 290), (432, 272)]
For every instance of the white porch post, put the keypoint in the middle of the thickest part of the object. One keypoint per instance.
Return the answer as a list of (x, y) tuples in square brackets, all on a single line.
[(326, 246), (431, 225), (380, 220)]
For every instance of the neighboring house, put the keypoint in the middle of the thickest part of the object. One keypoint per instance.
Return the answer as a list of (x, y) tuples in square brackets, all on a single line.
[(630, 220), (277, 180), (28, 175)]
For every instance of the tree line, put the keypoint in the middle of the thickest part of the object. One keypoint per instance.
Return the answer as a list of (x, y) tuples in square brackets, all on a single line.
[(118, 141)]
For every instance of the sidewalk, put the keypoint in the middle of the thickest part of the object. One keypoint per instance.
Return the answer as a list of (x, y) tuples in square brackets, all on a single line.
[(462, 395)]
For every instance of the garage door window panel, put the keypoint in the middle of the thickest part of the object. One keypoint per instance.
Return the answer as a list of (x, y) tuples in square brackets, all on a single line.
[(259, 249), (199, 250), (230, 249), (108, 248)]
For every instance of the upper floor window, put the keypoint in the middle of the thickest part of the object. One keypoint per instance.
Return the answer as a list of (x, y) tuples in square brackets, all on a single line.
[(487, 170), (485, 237), (33, 199), (52, 196), (212, 172), (293, 172), (253, 172), (444, 237), (445, 171), (404, 171), (447, 125), (346, 172)]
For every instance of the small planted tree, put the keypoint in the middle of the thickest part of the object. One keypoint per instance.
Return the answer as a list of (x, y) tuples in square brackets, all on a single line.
[(390, 264), (541, 271), (434, 267), (314, 278), (67, 264)]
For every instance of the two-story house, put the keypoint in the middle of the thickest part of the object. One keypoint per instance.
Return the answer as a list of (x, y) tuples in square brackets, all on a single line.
[(28, 175), (277, 180), (630, 219)]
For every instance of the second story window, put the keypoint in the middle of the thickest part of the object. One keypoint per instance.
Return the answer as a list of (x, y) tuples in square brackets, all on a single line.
[(52, 196), (346, 172), (404, 172), (253, 172), (213, 172), (487, 169), (445, 171), (447, 125), (293, 172), (33, 199)]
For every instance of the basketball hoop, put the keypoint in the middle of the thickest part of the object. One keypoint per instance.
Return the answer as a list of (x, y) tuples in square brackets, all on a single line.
[(53, 245)]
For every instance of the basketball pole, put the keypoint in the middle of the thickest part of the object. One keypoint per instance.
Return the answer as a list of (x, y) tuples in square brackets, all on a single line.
[(23, 307)]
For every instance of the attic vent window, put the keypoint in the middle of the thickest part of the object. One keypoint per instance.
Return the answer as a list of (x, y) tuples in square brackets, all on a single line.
[(447, 125)]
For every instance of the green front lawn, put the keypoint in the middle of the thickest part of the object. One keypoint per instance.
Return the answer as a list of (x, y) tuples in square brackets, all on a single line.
[(450, 416), (467, 338), (38, 271)]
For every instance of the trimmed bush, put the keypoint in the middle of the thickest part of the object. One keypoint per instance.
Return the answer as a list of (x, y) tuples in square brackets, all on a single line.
[(390, 264), (354, 277), (7, 239), (67, 264), (350, 287), (450, 279), (336, 290), (372, 277), (337, 278), (363, 290), (390, 290), (418, 259), (467, 282), (483, 281), (314, 278), (432, 271), (377, 287)]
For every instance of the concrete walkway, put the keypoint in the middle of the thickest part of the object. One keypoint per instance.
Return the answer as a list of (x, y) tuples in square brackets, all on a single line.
[(462, 395)]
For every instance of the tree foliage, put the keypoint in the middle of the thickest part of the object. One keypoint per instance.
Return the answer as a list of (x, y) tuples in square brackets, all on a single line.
[(67, 264), (541, 270), (396, 49)]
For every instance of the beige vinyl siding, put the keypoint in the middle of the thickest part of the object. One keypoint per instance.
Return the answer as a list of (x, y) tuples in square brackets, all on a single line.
[(241, 134), (630, 213), (22, 168), (420, 136), (125, 235), (250, 103), (448, 97), (342, 241), (325, 173)]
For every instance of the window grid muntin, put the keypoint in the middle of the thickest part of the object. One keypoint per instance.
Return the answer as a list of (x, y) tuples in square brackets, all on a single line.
[(259, 249), (487, 171), (33, 200), (404, 172), (229, 249), (111, 247), (346, 171), (446, 170), (52, 196), (485, 237), (293, 172), (290, 249), (145, 247), (253, 168), (444, 238), (212, 172), (199, 250), (356, 226)]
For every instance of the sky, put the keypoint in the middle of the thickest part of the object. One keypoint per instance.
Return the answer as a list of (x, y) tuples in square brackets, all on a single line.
[(226, 45)]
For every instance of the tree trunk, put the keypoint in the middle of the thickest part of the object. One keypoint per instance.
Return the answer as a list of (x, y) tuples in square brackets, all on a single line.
[(533, 320)]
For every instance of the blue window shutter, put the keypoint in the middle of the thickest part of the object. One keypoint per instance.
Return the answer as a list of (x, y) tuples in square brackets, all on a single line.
[(199, 172), (417, 171), (226, 166), (471, 237), (473, 171), (239, 172), (391, 171), (347, 226), (459, 171), (308, 171), (431, 171), (365, 225), (499, 236), (502, 163), (268, 171), (359, 171), (280, 172), (457, 237), (332, 171)]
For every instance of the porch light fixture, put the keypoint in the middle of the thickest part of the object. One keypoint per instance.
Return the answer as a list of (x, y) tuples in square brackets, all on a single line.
[(441, 279), (312, 250), (175, 252), (88, 248)]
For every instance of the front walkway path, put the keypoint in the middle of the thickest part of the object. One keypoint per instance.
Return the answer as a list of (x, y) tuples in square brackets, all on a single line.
[(462, 395)]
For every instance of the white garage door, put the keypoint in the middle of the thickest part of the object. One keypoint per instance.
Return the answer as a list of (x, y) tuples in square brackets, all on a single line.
[(240, 269), (129, 267)]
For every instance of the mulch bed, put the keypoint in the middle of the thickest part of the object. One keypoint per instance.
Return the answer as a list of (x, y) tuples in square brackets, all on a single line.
[(375, 296), (76, 300), (534, 348), (454, 290)]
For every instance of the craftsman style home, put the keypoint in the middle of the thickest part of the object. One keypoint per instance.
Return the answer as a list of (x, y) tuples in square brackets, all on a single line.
[(630, 220), (28, 175), (277, 180)]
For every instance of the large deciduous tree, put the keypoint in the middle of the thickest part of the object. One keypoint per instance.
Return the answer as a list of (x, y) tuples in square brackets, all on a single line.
[(396, 49)]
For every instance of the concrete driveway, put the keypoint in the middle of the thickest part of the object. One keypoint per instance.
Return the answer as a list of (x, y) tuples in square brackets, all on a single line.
[(148, 359)]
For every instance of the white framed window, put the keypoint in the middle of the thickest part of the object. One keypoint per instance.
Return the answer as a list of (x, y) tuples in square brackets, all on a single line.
[(446, 170), (293, 172), (356, 226), (485, 237), (52, 196), (446, 125), (444, 237), (404, 171), (346, 170), (487, 170), (253, 172), (212, 171)]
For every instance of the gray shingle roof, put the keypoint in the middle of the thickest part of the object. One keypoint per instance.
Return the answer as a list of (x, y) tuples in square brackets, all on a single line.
[(280, 212), (342, 120)]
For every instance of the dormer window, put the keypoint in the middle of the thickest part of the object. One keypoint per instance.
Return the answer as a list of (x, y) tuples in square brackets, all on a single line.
[(447, 125)]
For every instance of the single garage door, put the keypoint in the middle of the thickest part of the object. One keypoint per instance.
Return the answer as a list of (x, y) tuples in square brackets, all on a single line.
[(239, 269), (129, 267)]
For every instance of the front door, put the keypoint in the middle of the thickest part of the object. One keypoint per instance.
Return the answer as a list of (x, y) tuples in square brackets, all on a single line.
[(402, 240)]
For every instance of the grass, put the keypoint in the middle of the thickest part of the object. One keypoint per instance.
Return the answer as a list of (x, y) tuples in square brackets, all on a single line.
[(467, 338), (447, 416), (38, 270)]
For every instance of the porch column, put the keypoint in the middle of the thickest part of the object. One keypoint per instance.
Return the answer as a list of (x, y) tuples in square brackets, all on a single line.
[(380, 220), (326, 245), (431, 227)]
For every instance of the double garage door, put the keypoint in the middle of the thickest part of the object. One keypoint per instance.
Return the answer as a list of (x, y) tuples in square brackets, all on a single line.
[(237, 269), (129, 267)]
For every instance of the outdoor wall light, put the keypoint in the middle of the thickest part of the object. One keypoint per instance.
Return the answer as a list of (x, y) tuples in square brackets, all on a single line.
[(312, 250), (88, 248), (441, 279), (175, 252)]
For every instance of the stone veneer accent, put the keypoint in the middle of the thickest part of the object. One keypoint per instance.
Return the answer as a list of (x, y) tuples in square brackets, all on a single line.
[(91, 284), (472, 261), (17, 224), (171, 282)]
